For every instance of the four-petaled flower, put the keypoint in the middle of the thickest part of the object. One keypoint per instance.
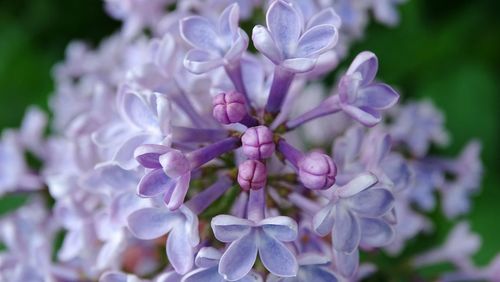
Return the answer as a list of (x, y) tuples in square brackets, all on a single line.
[(247, 238), (288, 42), (360, 97)]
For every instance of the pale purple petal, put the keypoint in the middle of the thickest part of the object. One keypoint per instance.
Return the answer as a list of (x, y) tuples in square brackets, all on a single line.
[(228, 21), (199, 33), (323, 220), (372, 202), (238, 47), (316, 41), (276, 257), (137, 111), (151, 223), (208, 257), (204, 275), (358, 184), (148, 155), (367, 116), (124, 156), (201, 61), (299, 65), (366, 63), (180, 252), (375, 232), (228, 228), (123, 205), (264, 43), (285, 25), (347, 264), (378, 96), (179, 192), (282, 228), (154, 183), (326, 16), (346, 231), (239, 258)]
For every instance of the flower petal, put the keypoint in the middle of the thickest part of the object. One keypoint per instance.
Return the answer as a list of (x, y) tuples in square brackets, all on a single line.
[(285, 24), (316, 41), (366, 63), (366, 116), (379, 96), (299, 65), (375, 232), (264, 43), (200, 61), (228, 21), (373, 202), (238, 48), (180, 252), (239, 258), (347, 264), (228, 228), (154, 183), (276, 257), (124, 156), (323, 220), (179, 192), (358, 184), (137, 112), (151, 223), (148, 155), (199, 33), (203, 275), (326, 16), (346, 231), (282, 228), (208, 257), (317, 274)]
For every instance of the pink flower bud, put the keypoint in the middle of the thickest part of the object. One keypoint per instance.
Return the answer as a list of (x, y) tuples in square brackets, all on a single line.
[(258, 142), (229, 107), (252, 174)]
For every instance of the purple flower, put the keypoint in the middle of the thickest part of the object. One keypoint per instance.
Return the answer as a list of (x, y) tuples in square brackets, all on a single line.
[(257, 142), (170, 175), (287, 42), (207, 260), (252, 174), (182, 227), (214, 45), (417, 126), (360, 97), (247, 238), (354, 215)]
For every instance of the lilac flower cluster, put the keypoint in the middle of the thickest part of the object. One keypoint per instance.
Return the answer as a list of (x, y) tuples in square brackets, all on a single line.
[(183, 140)]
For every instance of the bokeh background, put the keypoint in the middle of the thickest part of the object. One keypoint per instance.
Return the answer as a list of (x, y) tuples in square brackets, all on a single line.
[(447, 51)]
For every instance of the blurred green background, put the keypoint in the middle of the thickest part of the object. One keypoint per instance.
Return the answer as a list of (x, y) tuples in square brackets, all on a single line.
[(448, 51)]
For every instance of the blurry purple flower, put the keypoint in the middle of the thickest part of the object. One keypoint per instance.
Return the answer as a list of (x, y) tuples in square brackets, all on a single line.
[(247, 238), (418, 125), (360, 97)]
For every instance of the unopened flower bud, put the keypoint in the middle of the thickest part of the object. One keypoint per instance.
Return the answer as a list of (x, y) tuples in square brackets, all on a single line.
[(252, 174), (174, 163), (229, 107), (317, 171), (258, 142)]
